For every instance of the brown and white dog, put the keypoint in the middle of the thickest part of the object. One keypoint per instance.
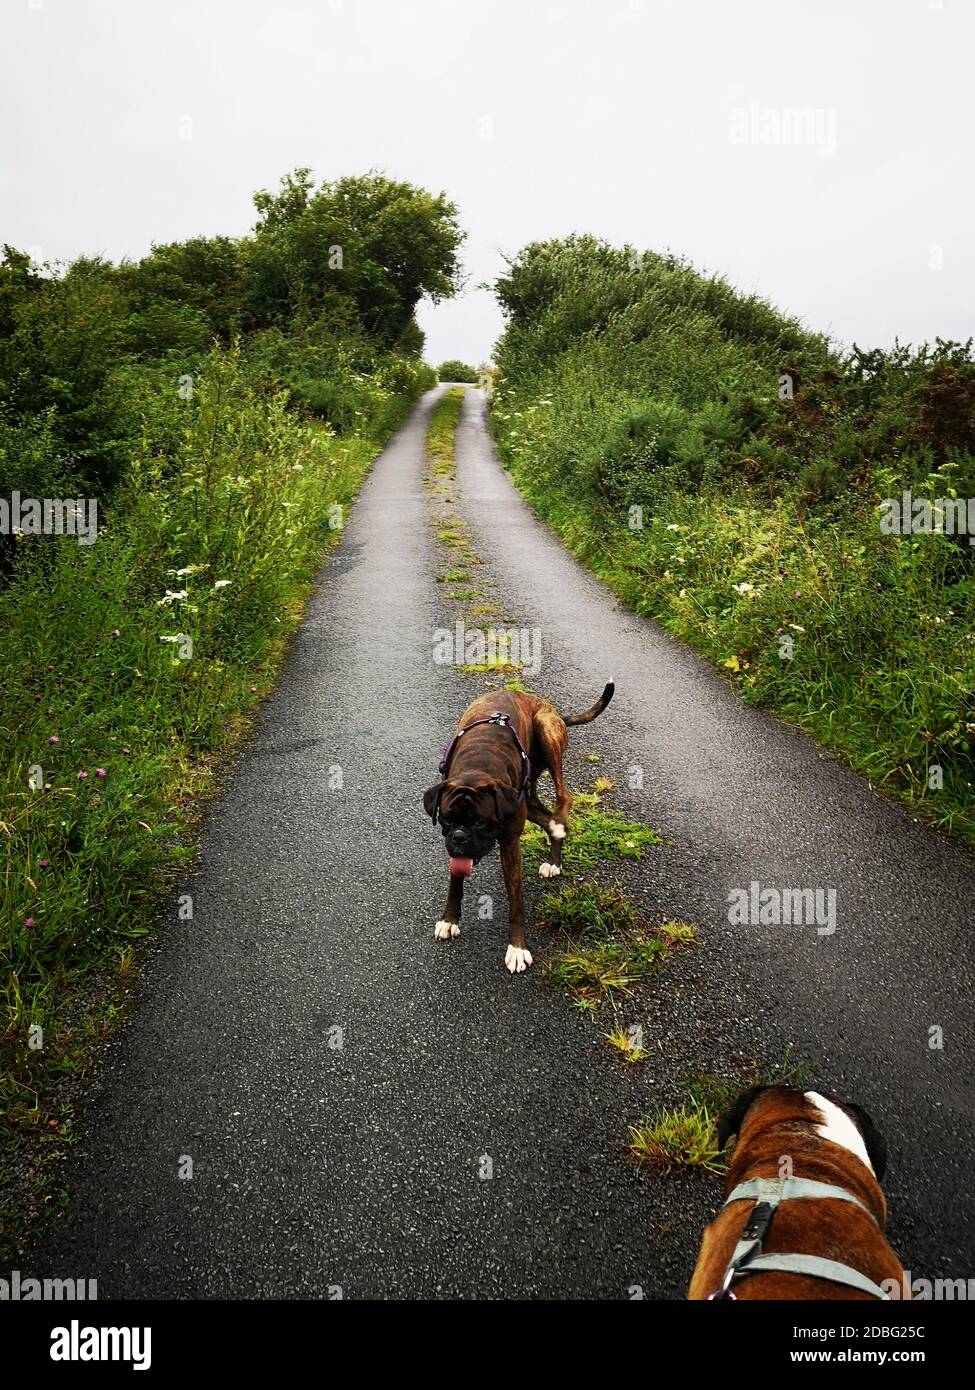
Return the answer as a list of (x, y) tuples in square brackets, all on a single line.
[(490, 771), (830, 1147)]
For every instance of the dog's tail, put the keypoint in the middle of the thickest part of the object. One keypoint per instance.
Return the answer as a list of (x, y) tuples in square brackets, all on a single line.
[(570, 719)]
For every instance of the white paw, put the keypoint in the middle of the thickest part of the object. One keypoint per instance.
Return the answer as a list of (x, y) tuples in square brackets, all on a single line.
[(443, 931), (549, 870), (556, 829), (516, 959)]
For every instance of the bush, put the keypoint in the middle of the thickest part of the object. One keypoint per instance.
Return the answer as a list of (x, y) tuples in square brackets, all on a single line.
[(643, 443), (323, 295), (453, 370), (722, 469)]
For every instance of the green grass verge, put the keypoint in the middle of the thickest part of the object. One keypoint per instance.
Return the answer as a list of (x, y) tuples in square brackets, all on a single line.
[(461, 563), (888, 706), (729, 476), (441, 431), (131, 670)]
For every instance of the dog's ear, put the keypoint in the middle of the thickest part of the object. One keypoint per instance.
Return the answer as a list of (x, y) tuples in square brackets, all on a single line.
[(872, 1138), (431, 800), (506, 799), (734, 1117)]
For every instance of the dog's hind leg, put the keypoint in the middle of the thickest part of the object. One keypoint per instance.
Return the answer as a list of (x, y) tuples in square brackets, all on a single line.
[(517, 957), (539, 814), (449, 924), (550, 742)]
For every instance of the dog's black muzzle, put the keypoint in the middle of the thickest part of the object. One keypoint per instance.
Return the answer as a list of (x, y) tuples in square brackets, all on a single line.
[(463, 843)]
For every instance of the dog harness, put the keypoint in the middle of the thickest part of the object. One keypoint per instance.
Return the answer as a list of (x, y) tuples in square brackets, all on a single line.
[(747, 1259), (503, 721)]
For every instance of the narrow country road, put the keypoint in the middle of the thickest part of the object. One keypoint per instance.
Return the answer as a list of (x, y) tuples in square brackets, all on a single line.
[(342, 1082)]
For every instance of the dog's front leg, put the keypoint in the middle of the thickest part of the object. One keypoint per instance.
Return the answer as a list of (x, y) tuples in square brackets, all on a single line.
[(517, 957), (449, 924)]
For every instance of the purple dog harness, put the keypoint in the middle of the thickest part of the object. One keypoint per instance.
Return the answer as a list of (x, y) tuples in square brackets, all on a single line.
[(503, 721)]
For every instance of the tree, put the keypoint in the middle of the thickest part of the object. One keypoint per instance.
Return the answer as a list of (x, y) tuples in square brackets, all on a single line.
[(380, 244)]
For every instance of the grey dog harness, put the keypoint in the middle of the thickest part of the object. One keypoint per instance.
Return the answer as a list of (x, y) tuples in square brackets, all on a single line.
[(747, 1258)]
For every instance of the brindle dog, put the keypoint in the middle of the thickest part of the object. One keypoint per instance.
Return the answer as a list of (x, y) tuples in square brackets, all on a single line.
[(503, 744)]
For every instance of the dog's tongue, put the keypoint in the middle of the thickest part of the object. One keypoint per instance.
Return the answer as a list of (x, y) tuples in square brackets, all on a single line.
[(463, 867)]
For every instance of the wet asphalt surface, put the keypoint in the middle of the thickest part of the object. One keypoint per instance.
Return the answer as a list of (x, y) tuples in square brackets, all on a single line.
[(370, 1110)]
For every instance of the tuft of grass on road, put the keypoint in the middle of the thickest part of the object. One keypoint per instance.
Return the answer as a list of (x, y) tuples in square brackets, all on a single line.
[(497, 666), (607, 948), (607, 967), (625, 1042), (678, 934), (589, 911), (597, 834), (716, 1091), (682, 1137)]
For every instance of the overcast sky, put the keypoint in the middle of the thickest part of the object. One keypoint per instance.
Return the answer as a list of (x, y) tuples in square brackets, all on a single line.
[(819, 153)]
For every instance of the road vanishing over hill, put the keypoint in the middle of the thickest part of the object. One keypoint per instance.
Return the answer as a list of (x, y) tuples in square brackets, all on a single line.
[(342, 1082)]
